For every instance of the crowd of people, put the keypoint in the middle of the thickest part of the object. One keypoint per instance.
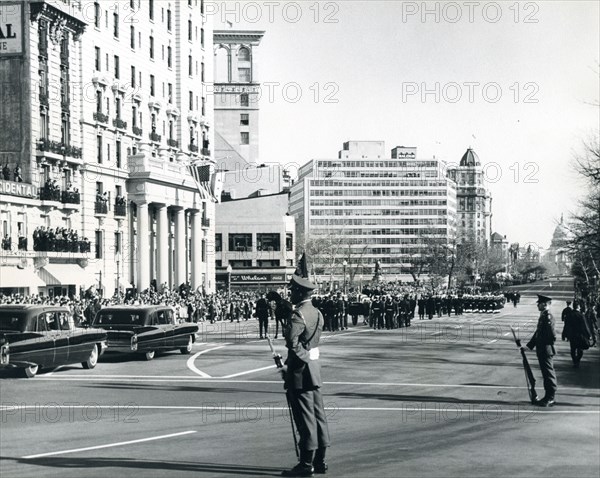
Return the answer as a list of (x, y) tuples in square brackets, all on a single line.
[(16, 174), (59, 239), (386, 306)]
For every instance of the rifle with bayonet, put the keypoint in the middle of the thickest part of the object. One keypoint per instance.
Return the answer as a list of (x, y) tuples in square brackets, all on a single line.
[(528, 373), (279, 363)]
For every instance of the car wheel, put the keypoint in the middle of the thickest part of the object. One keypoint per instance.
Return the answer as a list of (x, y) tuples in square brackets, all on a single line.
[(31, 371), (92, 360), (188, 348), (149, 355)]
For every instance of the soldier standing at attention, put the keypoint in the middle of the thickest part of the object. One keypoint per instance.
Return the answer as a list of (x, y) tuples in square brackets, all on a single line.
[(303, 380), (543, 341)]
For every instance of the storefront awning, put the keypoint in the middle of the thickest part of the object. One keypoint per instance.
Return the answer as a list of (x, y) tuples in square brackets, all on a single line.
[(67, 274), (14, 277)]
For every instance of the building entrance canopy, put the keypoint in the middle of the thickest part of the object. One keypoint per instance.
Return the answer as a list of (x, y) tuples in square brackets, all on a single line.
[(13, 277), (67, 274)]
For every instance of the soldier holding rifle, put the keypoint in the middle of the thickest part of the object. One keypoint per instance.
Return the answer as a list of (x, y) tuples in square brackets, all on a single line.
[(303, 379)]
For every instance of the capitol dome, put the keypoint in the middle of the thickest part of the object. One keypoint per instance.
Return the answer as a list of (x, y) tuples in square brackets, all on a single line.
[(560, 235)]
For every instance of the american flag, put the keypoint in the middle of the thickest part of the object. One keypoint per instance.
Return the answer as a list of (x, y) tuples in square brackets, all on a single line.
[(201, 175)]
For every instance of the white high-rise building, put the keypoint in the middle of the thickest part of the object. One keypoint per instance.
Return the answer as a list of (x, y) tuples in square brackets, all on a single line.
[(372, 208), (112, 106)]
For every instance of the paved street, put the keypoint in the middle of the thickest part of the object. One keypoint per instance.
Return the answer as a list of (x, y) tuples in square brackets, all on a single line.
[(445, 397)]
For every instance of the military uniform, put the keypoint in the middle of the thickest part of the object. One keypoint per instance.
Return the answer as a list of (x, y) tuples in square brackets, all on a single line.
[(303, 383), (543, 341)]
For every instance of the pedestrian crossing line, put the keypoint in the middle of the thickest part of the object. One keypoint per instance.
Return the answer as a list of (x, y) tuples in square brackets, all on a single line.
[(109, 445)]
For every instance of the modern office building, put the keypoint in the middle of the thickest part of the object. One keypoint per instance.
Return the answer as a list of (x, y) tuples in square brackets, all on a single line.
[(367, 207), (103, 116), (256, 237), (474, 201)]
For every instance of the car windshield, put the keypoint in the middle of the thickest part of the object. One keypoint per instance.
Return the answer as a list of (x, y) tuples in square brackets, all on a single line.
[(119, 317), (12, 321)]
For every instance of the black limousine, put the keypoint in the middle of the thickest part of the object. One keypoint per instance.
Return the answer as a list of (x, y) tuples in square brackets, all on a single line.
[(33, 337), (145, 329)]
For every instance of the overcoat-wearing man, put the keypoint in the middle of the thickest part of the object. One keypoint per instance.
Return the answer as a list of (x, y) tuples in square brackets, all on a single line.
[(262, 314), (303, 379), (577, 333), (543, 341)]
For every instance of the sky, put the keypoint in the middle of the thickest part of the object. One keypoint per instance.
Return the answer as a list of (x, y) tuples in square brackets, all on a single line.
[(516, 81)]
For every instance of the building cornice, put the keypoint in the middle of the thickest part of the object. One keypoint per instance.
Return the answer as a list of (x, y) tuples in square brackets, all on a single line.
[(57, 18)]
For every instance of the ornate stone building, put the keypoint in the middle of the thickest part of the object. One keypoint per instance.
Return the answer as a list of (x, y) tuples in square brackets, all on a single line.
[(102, 117), (474, 201)]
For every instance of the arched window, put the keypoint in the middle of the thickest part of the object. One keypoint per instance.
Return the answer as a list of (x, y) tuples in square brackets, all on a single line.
[(243, 54), (222, 65)]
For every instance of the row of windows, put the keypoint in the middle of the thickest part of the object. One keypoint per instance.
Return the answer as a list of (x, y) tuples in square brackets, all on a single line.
[(379, 212), (379, 192), (438, 231), (360, 222), (134, 5), (247, 264), (378, 164), (136, 81), (378, 184), (378, 202), (376, 174), (264, 242)]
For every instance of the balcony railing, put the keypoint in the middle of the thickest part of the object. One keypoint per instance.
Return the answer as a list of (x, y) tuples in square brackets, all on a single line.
[(205, 152), (119, 123), (121, 210), (137, 131), (56, 147), (70, 197), (193, 148), (50, 194), (173, 143), (100, 117), (155, 137), (101, 207)]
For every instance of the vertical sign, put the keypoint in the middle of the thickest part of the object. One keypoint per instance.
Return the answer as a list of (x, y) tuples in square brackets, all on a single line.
[(11, 29)]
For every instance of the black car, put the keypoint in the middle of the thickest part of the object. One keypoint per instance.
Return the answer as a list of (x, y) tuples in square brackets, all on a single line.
[(145, 329), (33, 337)]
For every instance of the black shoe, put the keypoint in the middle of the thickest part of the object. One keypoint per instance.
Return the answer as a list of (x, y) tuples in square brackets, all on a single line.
[(545, 402), (299, 470), (321, 468)]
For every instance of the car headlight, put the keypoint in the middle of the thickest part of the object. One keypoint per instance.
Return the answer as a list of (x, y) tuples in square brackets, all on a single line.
[(134, 343)]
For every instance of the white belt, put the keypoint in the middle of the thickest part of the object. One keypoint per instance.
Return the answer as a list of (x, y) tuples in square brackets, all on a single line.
[(313, 354)]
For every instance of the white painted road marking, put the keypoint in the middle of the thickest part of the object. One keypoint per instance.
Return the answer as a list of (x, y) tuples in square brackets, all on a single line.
[(249, 371), (409, 408), (192, 367), (142, 378), (109, 445)]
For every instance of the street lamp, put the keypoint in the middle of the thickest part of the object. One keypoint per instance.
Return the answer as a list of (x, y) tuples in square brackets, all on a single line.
[(229, 271), (118, 257), (345, 263)]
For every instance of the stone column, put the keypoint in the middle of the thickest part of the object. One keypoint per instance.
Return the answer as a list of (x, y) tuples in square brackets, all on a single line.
[(180, 248), (162, 246), (143, 248), (196, 220)]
